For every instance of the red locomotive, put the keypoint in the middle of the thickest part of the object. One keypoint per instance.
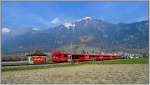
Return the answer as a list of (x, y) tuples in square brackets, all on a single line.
[(60, 57), (38, 60)]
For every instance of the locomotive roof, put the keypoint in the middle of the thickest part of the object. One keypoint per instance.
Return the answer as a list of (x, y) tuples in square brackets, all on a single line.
[(106, 55), (38, 53)]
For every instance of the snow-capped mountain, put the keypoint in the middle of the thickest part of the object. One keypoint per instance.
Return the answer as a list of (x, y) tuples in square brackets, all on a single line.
[(85, 18), (86, 32), (69, 25)]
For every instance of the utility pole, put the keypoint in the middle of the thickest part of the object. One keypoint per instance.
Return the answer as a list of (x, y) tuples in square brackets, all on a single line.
[(72, 45), (72, 40)]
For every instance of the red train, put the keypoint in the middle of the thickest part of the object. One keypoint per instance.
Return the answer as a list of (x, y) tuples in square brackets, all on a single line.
[(60, 57)]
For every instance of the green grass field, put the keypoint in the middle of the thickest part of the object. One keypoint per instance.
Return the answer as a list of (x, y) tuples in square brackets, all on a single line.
[(123, 61)]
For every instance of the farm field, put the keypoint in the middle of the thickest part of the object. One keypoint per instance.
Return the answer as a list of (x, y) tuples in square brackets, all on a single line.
[(81, 74)]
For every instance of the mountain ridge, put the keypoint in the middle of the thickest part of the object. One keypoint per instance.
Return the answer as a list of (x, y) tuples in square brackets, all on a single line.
[(89, 32)]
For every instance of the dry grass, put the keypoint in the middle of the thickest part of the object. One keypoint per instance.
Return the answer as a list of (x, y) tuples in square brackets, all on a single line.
[(90, 73)]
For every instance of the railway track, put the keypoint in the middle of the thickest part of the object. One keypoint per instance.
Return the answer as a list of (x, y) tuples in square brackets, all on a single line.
[(24, 63)]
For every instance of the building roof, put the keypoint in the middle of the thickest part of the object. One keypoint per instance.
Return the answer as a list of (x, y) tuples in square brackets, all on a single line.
[(38, 53)]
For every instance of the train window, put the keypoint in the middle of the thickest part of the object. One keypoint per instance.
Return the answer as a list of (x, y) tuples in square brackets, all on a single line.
[(91, 56), (57, 56), (65, 55), (75, 57)]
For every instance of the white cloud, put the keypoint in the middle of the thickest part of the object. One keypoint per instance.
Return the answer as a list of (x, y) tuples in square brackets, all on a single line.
[(6, 30), (102, 18), (35, 29), (55, 21), (142, 18)]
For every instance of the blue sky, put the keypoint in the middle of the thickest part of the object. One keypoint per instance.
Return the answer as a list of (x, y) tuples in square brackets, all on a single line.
[(42, 15)]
